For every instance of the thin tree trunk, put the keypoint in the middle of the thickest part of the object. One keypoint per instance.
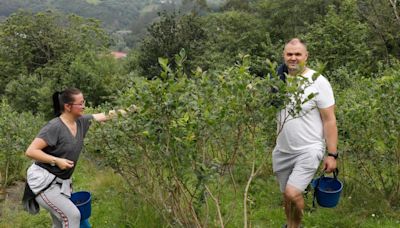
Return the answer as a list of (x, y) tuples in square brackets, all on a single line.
[(6, 177), (394, 6), (246, 195), (221, 221)]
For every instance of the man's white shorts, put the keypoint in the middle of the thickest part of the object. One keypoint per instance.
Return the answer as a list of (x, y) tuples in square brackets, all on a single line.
[(296, 169)]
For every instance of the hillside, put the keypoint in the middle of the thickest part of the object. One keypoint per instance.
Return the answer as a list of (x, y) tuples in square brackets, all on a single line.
[(119, 18)]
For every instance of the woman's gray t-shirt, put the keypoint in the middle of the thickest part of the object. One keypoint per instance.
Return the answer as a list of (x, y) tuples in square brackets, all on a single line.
[(62, 144)]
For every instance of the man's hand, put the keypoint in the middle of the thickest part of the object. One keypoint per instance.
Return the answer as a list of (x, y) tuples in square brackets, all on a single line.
[(330, 164)]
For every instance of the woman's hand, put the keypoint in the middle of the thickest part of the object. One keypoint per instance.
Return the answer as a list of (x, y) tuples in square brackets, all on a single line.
[(35, 151), (63, 163), (114, 113), (102, 117)]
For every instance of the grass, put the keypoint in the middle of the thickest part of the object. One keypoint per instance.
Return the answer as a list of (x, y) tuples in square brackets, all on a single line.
[(353, 210), (113, 205)]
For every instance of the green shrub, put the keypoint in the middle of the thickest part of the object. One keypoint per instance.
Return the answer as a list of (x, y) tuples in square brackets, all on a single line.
[(193, 137), (368, 119), (17, 130)]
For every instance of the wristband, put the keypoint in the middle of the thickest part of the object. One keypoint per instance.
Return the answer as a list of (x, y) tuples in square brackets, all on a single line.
[(335, 155)]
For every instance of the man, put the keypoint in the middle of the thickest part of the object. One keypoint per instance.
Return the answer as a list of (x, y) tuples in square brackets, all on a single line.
[(302, 140)]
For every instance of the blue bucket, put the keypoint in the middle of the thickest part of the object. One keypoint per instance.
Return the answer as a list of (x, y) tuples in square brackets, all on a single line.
[(82, 201), (85, 224), (327, 190)]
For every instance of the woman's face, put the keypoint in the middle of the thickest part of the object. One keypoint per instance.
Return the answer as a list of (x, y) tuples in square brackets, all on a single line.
[(76, 107)]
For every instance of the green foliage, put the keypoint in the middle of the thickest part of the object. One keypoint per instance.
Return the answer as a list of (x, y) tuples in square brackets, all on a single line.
[(383, 19), (100, 77), (190, 135), (45, 52), (32, 41), (15, 134), (166, 38), (286, 19), (369, 122), (211, 42), (340, 40), (234, 34), (236, 5), (117, 16), (30, 93)]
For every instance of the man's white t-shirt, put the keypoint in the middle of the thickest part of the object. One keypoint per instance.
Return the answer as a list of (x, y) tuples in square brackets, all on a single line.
[(306, 132)]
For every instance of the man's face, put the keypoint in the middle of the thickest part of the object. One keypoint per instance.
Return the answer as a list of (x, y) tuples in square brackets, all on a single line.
[(295, 56)]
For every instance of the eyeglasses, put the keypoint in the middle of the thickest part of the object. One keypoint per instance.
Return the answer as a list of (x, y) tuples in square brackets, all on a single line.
[(81, 104)]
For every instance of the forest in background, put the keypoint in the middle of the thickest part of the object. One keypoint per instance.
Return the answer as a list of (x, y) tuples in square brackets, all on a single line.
[(125, 21), (198, 149)]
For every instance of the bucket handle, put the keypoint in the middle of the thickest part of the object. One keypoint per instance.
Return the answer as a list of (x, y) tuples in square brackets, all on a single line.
[(335, 174)]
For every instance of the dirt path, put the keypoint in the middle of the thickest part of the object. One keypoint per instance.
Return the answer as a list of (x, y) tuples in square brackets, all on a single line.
[(13, 196)]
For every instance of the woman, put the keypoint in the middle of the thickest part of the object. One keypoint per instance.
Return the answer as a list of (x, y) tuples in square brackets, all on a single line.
[(56, 150)]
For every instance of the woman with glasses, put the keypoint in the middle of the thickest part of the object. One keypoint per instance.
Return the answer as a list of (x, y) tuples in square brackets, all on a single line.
[(56, 150)]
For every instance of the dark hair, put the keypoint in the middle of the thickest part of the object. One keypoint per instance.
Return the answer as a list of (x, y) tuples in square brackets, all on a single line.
[(64, 97)]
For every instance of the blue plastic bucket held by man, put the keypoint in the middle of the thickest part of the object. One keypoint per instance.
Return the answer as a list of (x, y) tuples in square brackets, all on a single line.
[(327, 190)]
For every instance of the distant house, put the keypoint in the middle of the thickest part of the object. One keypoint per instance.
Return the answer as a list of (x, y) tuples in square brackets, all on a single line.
[(118, 54)]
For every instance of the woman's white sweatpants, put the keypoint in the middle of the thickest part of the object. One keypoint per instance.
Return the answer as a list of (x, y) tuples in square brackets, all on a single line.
[(63, 212)]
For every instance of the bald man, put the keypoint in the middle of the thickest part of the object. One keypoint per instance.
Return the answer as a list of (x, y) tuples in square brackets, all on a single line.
[(303, 140)]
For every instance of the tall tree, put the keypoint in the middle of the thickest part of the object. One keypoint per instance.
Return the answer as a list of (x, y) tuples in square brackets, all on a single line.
[(340, 40), (241, 5), (36, 53), (286, 19), (233, 34), (166, 38), (30, 41), (383, 18)]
